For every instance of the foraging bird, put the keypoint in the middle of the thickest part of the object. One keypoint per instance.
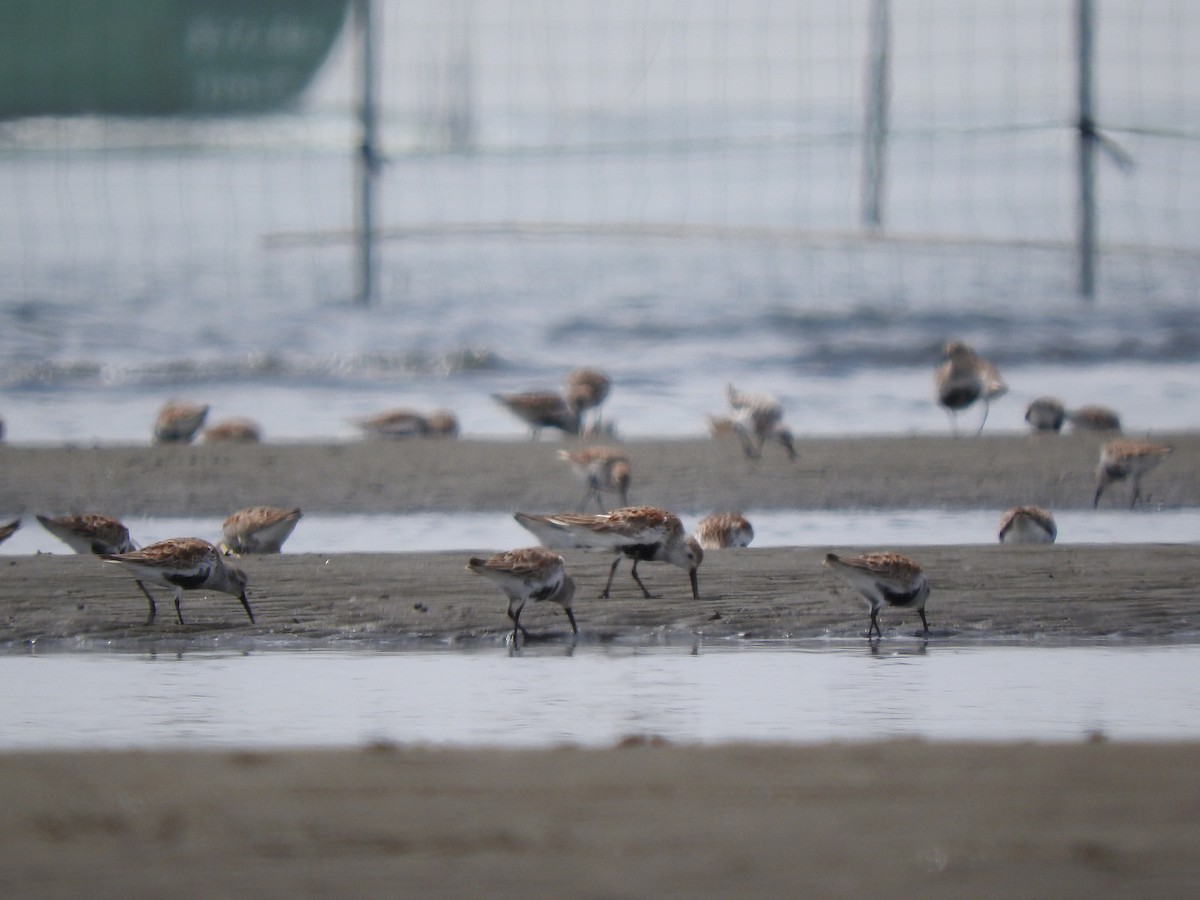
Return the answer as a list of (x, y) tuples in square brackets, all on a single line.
[(603, 470), (542, 409), (884, 579), (964, 378), (641, 533), (758, 418), (1027, 525), (178, 421), (90, 533), (258, 529), (532, 573), (7, 529), (402, 423), (586, 389), (235, 430), (721, 530), (1123, 459), (1046, 414), (185, 564), (1094, 418)]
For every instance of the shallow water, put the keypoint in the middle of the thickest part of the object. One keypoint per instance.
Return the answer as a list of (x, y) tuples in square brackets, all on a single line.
[(597, 696), (433, 531)]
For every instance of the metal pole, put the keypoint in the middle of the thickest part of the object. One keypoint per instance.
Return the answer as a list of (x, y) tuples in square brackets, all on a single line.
[(1086, 126), (876, 124), (368, 160)]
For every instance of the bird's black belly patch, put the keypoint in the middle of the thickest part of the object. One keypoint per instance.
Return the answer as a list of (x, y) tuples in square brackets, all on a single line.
[(957, 398), (188, 582), (644, 552), (900, 598)]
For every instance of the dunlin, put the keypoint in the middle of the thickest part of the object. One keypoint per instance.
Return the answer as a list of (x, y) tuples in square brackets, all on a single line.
[(758, 418), (1046, 414), (236, 430), (403, 423), (641, 533), (258, 529), (185, 564), (1094, 418), (724, 530), (541, 409), (7, 529), (1027, 525), (603, 470), (178, 421), (586, 389), (1123, 459), (884, 579), (964, 378), (90, 533), (532, 573)]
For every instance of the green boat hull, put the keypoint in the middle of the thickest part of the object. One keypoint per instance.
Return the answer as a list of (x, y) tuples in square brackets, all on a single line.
[(160, 57)]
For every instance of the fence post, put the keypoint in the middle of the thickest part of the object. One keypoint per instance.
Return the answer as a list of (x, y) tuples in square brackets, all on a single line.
[(368, 160), (1086, 126), (875, 130)]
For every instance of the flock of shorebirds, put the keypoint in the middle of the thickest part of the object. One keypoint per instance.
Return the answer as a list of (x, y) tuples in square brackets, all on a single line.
[(638, 533)]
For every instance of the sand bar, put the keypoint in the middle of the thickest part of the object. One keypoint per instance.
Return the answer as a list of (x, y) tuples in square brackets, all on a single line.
[(904, 819), (980, 593), (687, 475)]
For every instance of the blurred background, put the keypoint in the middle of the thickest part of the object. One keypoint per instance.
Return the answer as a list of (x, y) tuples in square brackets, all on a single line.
[(306, 210)]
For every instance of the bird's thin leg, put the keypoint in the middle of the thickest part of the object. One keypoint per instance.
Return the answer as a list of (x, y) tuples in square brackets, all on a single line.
[(633, 571), (516, 618), (986, 407), (1137, 491), (874, 626), (153, 608), (178, 609), (611, 572), (924, 621)]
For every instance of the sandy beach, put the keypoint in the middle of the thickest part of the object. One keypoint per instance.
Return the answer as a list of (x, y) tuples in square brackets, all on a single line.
[(639, 820)]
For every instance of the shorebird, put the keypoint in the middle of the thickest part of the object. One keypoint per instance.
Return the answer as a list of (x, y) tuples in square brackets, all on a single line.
[(1094, 418), (1123, 459), (185, 564), (758, 418), (402, 423), (236, 430), (641, 533), (724, 530), (884, 579), (603, 470), (964, 378), (1027, 525), (258, 529), (7, 529), (90, 533), (1046, 414), (542, 409), (178, 421), (586, 389), (532, 573)]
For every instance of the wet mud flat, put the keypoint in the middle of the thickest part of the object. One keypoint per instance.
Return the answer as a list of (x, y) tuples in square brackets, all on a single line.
[(702, 474), (642, 819), (1140, 592)]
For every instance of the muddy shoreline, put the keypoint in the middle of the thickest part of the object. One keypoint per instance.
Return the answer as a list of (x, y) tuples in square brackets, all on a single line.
[(688, 475), (1029, 594)]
